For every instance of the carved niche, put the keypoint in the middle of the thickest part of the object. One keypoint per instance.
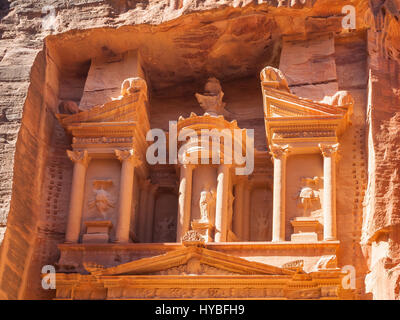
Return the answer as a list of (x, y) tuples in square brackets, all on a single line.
[(261, 215), (166, 207)]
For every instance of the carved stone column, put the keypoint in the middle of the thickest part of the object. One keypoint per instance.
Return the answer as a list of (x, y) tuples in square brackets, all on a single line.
[(329, 152), (129, 161), (246, 213), (150, 213), (238, 209), (279, 154), (144, 192), (185, 200), (81, 161), (221, 211)]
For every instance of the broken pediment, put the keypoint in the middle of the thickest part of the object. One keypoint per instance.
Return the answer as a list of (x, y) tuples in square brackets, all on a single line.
[(288, 116), (189, 261), (118, 124), (130, 106)]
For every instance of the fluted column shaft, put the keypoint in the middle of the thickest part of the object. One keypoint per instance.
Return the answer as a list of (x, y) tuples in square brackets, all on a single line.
[(329, 152), (129, 160), (279, 154), (221, 212), (81, 160), (185, 200)]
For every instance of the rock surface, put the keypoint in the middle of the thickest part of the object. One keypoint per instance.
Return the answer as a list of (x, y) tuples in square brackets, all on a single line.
[(45, 53)]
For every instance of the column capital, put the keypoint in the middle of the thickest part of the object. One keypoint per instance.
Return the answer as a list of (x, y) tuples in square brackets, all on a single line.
[(128, 155), (188, 166), (225, 166), (186, 160), (279, 151), (79, 157), (329, 150)]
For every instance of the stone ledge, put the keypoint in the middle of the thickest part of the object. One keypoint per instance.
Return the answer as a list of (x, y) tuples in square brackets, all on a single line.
[(210, 245)]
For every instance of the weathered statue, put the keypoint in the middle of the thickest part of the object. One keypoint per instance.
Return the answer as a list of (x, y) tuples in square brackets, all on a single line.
[(206, 199), (274, 78), (102, 199), (340, 99), (68, 107), (133, 86), (308, 195), (211, 100), (262, 226), (101, 202)]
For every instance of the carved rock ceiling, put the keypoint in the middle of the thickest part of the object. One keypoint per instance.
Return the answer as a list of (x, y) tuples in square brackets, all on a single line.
[(227, 43)]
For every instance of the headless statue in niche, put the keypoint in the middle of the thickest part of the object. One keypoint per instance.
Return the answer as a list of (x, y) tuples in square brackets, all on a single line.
[(205, 204), (102, 199)]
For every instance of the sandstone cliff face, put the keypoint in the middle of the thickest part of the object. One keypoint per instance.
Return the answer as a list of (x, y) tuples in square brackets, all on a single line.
[(381, 218), (183, 42)]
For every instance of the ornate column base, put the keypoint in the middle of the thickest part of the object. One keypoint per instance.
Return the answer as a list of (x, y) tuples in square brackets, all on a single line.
[(205, 229)]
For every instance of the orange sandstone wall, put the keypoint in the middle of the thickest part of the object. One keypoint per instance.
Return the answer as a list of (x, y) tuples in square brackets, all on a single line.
[(182, 43)]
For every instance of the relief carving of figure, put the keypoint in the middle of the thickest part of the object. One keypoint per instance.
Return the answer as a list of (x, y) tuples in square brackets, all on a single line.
[(164, 228), (102, 199), (262, 225)]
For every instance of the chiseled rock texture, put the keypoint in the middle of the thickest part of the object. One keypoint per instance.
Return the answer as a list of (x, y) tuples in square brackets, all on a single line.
[(182, 43)]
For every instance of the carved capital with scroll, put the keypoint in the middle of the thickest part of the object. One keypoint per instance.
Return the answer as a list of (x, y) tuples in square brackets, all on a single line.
[(81, 157), (128, 155), (328, 150), (278, 151)]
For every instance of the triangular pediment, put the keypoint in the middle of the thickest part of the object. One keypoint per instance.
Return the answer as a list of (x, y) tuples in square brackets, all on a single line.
[(191, 260)]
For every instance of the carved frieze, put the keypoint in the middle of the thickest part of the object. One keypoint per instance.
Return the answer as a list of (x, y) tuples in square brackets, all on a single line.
[(101, 140), (192, 237), (81, 157), (194, 267), (303, 134)]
